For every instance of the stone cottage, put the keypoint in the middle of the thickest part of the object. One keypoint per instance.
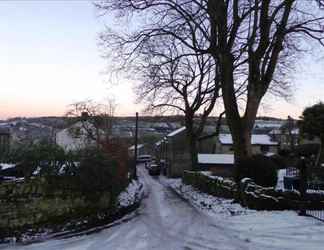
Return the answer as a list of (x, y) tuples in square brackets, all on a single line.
[(173, 152), (77, 136)]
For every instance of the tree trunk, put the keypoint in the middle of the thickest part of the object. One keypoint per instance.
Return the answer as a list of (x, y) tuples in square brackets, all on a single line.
[(241, 128), (242, 149), (192, 139), (193, 151)]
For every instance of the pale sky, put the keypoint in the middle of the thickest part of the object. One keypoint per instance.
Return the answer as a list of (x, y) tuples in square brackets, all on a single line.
[(49, 58)]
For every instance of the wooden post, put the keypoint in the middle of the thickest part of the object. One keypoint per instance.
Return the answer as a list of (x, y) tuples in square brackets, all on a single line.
[(135, 146)]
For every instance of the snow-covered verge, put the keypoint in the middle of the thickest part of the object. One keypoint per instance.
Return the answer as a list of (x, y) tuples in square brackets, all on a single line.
[(266, 229), (205, 202), (132, 195)]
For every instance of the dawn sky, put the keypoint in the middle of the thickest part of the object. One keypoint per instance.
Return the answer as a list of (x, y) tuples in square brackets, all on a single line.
[(49, 58)]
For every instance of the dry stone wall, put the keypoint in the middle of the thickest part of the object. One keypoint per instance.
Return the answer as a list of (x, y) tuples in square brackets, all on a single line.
[(35, 203), (251, 195)]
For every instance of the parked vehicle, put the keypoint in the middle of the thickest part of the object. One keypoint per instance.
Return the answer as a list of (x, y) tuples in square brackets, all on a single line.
[(144, 158), (149, 164), (154, 169)]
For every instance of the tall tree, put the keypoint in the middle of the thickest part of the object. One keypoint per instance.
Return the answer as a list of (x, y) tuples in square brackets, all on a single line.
[(96, 118), (173, 77), (312, 123), (253, 42)]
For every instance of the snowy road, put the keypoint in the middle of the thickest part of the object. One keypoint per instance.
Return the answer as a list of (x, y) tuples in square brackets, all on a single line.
[(166, 222)]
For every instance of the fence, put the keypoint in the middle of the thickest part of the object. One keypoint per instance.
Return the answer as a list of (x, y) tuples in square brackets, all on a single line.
[(305, 179), (318, 190)]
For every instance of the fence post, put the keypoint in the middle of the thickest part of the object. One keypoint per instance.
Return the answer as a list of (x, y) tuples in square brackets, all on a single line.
[(303, 185)]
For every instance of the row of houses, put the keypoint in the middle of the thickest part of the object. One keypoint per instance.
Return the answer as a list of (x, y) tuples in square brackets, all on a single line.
[(215, 153)]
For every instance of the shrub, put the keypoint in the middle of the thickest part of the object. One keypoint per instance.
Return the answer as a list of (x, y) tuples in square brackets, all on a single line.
[(261, 169), (43, 159), (97, 173), (284, 152), (118, 151), (280, 161), (307, 150)]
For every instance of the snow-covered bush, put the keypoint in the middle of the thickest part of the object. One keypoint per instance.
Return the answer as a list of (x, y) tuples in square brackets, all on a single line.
[(261, 169)]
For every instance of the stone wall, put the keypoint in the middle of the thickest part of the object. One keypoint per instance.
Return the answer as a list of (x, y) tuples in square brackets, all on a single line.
[(36, 203), (213, 185), (250, 195)]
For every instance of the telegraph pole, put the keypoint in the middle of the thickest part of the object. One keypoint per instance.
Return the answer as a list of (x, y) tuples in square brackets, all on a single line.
[(135, 146)]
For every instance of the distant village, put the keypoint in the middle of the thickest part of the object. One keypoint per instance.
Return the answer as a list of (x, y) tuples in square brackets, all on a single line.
[(162, 137)]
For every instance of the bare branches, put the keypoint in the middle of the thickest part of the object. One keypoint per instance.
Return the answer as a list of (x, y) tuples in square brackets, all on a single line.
[(95, 118), (243, 45)]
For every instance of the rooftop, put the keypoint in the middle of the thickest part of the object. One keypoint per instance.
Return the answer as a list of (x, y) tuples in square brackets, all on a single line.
[(255, 139), (175, 132)]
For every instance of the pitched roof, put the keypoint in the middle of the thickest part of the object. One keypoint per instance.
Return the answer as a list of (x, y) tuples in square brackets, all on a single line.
[(255, 139), (175, 132), (138, 146)]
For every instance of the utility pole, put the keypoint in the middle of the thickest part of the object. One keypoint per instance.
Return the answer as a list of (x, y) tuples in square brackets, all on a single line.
[(135, 146)]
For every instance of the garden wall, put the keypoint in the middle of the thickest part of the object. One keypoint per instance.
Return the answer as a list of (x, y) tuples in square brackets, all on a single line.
[(250, 195), (37, 203)]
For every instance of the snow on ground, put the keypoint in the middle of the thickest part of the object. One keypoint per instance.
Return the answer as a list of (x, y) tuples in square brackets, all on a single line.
[(271, 229), (131, 195), (205, 202), (167, 221), (280, 181)]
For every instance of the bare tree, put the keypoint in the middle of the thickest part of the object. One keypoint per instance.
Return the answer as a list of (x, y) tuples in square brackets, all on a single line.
[(254, 42), (175, 78), (96, 118)]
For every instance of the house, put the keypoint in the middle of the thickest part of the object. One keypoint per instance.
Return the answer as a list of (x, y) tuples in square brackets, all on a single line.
[(159, 150), (261, 144), (174, 152), (141, 150), (218, 164), (178, 156), (285, 138), (78, 136), (120, 132)]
